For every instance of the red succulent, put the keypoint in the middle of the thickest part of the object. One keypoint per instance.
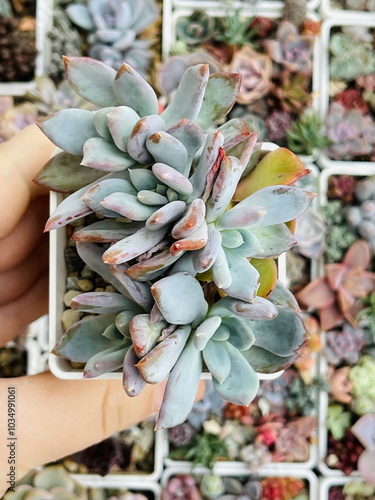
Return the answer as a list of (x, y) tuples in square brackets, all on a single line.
[(352, 99)]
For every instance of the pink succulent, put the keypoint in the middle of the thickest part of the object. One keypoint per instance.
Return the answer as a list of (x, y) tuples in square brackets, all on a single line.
[(292, 445), (335, 295), (364, 431)]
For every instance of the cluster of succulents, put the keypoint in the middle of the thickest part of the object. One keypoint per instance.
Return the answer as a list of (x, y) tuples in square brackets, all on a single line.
[(353, 490), (274, 59), (162, 188), (361, 217), (211, 486)]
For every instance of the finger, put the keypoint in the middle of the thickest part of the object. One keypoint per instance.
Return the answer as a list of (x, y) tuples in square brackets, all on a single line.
[(16, 281), (26, 235), (15, 316), (21, 158)]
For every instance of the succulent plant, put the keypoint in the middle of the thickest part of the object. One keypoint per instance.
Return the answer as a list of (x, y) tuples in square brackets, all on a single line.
[(344, 346), (362, 377), (310, 232), (169, 226), (340, 385), (338, 420), (293, 91), (351, 134), (352, 99), (256, 71), (17, 51), (236, 490), (291, 50), (335, 294), (283, 488), (113, 27), (361, 217), (197, 28), (363, 430), (341, 187), (277, 124), (236, 30), (366, 316), (350, 60), (52, 482), (212, 486), (339, 236), (307, 135), (358, 490), (181, 486)]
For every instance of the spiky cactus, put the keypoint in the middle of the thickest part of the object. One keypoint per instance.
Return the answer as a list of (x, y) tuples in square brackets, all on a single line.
[(181, 202)]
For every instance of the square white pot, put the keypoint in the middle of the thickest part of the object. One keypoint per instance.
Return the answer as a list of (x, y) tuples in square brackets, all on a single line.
[(330, 11)]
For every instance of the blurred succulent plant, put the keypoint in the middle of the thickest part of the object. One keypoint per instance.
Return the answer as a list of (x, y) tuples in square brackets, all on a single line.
[(351, 134), (344, 346), (366, 316), (340, 385), (197, 28), (363, 390), (212, 486), (307, 135), (335, 294), (236, 30), (343, 454), (165, 219), (14, 118), (256, 71), (113, 28), (236, 490), (51, 482), (357, 489), (277, 124), (338, 420), (364, 431), (291, 50), (65, 39), (339, 236), (292, 443), (310, 233), (358, 4), (17, 51), (293, 91), (285, 488), (350, 60), (181, 486), (295, 11), (362, 217)]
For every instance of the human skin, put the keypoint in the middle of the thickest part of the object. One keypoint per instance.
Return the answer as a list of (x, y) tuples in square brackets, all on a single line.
[(54, 417)]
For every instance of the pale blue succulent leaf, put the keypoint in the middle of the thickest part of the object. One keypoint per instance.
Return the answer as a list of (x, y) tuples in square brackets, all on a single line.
[(103, 155), (205, 331), (264, 361), (150, 268), (142, 130), (139, 292), (274, 240), (96, 194), (100, 122), (103, 303), (217, 360), (184, 264), (231, 238), (167, 149), (251, 245), (127, 205), (172, 178), (142, 178), (132, 381), (191, 136), (282, 296), (144, 333), (234, 132), (221, 272), (221, 334), (245, 278), (163, 216), (260, 309), (121, 121), (241, 218), (241, 335), (105, 361), (204, 259), (80, 15)]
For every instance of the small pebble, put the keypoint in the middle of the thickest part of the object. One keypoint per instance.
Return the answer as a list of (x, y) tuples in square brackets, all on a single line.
[(110, 288), (73, 274), (85, 285), (100, 289), (87, 273), (69, 296), (71, 283), (69, 317)]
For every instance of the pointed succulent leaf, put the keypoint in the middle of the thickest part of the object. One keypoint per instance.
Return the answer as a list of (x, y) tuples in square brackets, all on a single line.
[(122, 322), (242, 384), (111, 332), (167, 149), (363, 430), (70, 209), (134, 245), (220, 95), (190, 135), (141, 131), (282, 203), (281, 296), (100, 122), (165, 215), (106, 361), (274, 240), (91, 79), (63, 173), (317, 294), (181, 388), (213, 145), (196, 240), (245, 278), (184, 264), (192, 219), (293, 333), (188, 98), (221, 272), (264, 361), (144, 333), (205, 331), (217, 360), (280, 166), (186, 306), (139, 292), (69, 129), (260, 309), (92, 255), (142, 178), (157, 364), (80, 15), (335, 273), (268, 271), (85, 339), (133, 91), (250, 246), (107, 230), (244, 151), (103, 303), (145, 270), (231, 238), (358, 255), (203, 259), (221, 334), (234, 132), (121, 121), (224, 187), (151, 198), (96, 194), (132, 381), (240, 334), (128, 206), (172, 178), (245, 217), (103, 155)]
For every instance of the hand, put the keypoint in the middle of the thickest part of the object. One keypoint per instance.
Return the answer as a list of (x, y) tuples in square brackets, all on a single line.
[(54, 417)]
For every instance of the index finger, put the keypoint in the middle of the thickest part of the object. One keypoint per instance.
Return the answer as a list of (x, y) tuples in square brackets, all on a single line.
[(21, 158)]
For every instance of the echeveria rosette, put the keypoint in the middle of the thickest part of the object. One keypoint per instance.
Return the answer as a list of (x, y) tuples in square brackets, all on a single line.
[(113, 26)]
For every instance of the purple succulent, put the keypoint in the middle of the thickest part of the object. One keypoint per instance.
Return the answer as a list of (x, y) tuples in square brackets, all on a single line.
[(292, 50), (181, 487), (344, 345), (277, 124), (181, 434)]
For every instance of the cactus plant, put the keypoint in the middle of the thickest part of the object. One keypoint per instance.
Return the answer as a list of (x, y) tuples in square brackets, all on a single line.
[(171, 229)]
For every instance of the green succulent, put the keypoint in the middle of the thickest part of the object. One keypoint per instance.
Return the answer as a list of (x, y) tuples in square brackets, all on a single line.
[(306, 135), (197, 28), (180, 201), (338, 420), (362, 376), (350, 58), (236, 30)]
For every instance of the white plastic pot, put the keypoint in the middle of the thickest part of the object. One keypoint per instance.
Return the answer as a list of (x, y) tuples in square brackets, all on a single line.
[(328, 10)]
